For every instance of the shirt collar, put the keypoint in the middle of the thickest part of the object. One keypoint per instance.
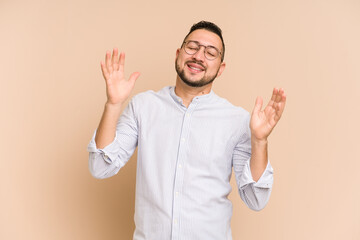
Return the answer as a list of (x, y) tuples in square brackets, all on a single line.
[(197, 98)]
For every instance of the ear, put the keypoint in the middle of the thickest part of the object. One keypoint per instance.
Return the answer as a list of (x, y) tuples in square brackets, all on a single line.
[(177, 53), (221, 69)]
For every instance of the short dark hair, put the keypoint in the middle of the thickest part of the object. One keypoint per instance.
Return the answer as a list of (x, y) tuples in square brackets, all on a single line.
[(212, 27)]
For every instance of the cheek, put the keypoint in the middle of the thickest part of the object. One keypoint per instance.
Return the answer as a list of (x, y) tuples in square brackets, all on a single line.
[(183, 57), (181, 61), (212, 69), (215, 67)]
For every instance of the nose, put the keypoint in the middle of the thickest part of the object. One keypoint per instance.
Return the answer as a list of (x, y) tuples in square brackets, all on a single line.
[(200, 55)]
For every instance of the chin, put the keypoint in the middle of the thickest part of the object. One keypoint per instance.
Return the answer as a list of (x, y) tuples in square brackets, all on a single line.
[(199, 83), (190, 81)]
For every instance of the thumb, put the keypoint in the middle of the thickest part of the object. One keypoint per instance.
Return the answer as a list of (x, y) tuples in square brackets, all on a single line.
[(258, 105), (134, 76)]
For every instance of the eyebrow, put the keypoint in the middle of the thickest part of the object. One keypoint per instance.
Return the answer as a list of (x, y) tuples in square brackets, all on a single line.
[(203, 44)]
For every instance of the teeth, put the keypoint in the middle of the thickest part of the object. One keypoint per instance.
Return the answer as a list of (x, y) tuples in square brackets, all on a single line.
[(198, 69)]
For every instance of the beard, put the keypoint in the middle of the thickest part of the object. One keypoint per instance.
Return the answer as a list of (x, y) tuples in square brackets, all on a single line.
[(205, 80)]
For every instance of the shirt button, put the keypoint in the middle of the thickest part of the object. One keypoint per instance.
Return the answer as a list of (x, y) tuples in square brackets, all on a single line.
[(183, 139), (177, 193), (175, 221), (180, 166)]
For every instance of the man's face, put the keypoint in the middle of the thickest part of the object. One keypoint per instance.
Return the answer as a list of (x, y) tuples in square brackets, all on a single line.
[(196, 70)]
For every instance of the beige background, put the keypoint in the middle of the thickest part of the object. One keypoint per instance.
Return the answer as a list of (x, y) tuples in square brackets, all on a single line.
[(52, 97)]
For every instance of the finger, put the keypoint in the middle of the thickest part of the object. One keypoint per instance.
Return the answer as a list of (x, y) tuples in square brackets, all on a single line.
[(108, 62), (258, 105), (104, 71), (134, 76), (278, 112), (115, 59), (273, 97), (279, 95), (122, 62), (280, 107)]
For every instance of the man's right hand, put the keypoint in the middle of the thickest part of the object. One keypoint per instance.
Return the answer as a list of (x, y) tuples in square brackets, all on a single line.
[(118, 88)]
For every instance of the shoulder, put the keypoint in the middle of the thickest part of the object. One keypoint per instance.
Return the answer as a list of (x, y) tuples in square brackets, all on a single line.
[(151, 96), (230, 108), (238, 116)]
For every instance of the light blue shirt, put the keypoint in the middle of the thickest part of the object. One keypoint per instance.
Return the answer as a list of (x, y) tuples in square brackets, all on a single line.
[(184, 165)]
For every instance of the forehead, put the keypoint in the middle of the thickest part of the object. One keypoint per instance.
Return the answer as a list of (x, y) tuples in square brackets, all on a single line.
[(205, 37)]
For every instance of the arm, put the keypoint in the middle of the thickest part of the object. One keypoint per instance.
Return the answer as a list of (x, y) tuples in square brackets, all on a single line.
[(117, 90), (253, 171), (255, 194), (261, 124), (115, 139)]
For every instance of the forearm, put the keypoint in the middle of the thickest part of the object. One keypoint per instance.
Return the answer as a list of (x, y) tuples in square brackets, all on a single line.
[(105, 133), (259, 157)]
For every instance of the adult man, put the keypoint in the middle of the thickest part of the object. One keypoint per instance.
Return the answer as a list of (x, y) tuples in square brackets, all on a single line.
[(188, 140)]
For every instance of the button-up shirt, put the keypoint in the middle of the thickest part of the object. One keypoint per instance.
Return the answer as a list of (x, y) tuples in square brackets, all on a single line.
[(184, 164)]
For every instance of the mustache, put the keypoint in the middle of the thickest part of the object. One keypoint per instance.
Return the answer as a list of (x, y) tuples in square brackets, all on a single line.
[(196, 62)]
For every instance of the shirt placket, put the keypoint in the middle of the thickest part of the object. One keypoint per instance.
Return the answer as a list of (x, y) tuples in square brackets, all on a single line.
[(179, 172)]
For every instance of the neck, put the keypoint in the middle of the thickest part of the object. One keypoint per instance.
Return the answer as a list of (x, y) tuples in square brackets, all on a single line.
[(187, 93)]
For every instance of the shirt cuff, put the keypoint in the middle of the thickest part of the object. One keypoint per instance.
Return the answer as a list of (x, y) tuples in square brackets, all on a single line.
[(109, 152), (265, 181)]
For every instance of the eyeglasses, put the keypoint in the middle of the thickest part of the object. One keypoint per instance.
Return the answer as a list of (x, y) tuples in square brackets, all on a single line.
[(192, 47)]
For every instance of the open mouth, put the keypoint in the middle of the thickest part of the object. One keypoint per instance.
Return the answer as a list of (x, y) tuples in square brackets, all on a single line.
[(195, 68)]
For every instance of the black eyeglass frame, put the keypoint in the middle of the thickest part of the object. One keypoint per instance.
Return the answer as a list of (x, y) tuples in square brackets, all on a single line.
[(201, 45)]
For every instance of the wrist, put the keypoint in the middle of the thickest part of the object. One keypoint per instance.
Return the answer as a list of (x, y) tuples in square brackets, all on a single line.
[(113, 109), (113, 105), (258, 141)]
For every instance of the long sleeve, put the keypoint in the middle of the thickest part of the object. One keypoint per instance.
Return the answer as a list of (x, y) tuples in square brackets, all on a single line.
[(106, 162), (254, 194)]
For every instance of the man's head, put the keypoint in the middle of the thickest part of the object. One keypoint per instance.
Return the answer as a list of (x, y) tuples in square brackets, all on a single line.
[(211, 27), (199, 60)]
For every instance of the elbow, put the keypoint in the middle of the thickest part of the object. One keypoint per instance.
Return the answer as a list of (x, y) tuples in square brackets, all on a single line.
[(254, 199), (97, 174), (100, 169), (254, 204), (258, 207)]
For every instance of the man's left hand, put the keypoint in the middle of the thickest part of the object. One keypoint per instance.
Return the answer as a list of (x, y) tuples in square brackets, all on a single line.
[(263, 121)]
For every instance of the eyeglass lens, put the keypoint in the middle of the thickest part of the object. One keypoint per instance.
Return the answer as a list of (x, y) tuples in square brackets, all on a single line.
[(192, 47)]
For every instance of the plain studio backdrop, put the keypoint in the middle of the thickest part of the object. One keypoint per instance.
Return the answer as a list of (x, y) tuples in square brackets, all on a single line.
[(53, 94)]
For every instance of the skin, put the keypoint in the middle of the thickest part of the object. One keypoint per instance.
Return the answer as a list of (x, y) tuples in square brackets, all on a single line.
[(118, 89), (210, 69)]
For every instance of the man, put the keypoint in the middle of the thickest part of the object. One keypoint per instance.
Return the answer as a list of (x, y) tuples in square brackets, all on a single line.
[(188, 140)]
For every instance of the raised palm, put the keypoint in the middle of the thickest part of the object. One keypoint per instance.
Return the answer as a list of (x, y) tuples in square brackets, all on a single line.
[(118, 88), (263, 121)]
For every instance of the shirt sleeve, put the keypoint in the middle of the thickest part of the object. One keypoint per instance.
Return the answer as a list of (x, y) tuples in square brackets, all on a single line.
[(106, 162), (254, 194)]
